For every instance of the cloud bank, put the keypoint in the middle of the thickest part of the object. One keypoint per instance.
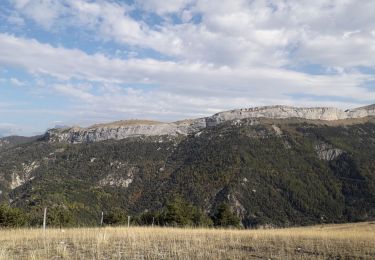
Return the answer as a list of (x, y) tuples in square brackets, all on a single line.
[(169, 60)]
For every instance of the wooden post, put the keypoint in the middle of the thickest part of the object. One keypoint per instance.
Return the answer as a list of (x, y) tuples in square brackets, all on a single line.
[(128, 221), (102, 219), (153, 219), (45, 219)]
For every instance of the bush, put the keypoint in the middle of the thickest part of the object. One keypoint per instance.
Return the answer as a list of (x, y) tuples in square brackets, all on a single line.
[(224, 217), (59, 217), (149, 218), (11, 217), (178, 212), (115, 217)]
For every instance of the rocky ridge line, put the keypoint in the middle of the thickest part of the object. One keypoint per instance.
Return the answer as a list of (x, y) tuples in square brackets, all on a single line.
[(125, 129)]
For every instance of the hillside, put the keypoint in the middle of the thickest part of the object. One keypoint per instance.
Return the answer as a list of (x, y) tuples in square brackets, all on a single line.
[(11, 141), (270, 170)]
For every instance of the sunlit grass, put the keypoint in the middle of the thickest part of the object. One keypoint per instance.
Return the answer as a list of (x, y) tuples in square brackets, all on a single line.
[(345, 241)]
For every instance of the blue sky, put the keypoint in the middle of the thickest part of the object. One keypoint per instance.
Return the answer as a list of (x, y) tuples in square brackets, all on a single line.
[(79, 62)]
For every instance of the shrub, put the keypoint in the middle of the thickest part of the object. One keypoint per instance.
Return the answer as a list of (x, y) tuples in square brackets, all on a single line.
[(11, 217), (224, 217)]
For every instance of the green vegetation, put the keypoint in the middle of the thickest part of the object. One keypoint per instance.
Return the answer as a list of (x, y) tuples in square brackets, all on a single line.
[(260, 176), (59, 217), (180, 213), (11, 217), (225, 217), (115, 217), (177, 213)]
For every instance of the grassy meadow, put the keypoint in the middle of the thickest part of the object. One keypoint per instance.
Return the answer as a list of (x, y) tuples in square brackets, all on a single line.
[(344, 241)]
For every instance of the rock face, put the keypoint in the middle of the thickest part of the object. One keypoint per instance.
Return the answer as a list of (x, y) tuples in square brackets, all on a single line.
[(23, 175), (133, 128), (327, 152), (117, 132), (283, 112)]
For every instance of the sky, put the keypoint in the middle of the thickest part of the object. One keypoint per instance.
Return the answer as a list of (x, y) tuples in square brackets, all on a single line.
[(80, 62)]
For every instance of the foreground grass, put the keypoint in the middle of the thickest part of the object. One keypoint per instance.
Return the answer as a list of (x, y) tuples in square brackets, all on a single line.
[(347, 241)]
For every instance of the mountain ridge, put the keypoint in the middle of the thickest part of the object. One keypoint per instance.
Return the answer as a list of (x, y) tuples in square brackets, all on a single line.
[(131, 128), (285, 171)]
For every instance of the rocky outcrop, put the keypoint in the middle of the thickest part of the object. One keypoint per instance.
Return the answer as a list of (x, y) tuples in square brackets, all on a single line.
[(106, 132), (122, 174), (283, 112), (23, 175), (133, 128), (326, 152)]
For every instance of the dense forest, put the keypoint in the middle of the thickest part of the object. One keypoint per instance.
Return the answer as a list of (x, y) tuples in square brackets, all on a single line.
[(277, 172)]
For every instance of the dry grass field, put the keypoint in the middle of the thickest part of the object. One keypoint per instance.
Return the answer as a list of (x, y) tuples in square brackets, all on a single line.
[(347, 241)]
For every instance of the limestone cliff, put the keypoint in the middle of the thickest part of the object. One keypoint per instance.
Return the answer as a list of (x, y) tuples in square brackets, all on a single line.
[(121, 131), (133, 128), (283, 112)]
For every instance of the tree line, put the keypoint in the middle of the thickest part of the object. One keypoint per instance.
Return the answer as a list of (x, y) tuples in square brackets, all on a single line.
[(176, 213)]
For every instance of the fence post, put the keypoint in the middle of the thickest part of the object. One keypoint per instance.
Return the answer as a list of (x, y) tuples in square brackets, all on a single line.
[(45, 219), (128, 221), (102, 219)]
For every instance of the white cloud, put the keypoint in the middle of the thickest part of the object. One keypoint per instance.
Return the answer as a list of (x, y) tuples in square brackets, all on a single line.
[(182, 89), (231, 32), (44, 12), (353, 51), (164, 7), (17, 82), (349, 34), (233, 54), (183, 77), (75, 92)]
